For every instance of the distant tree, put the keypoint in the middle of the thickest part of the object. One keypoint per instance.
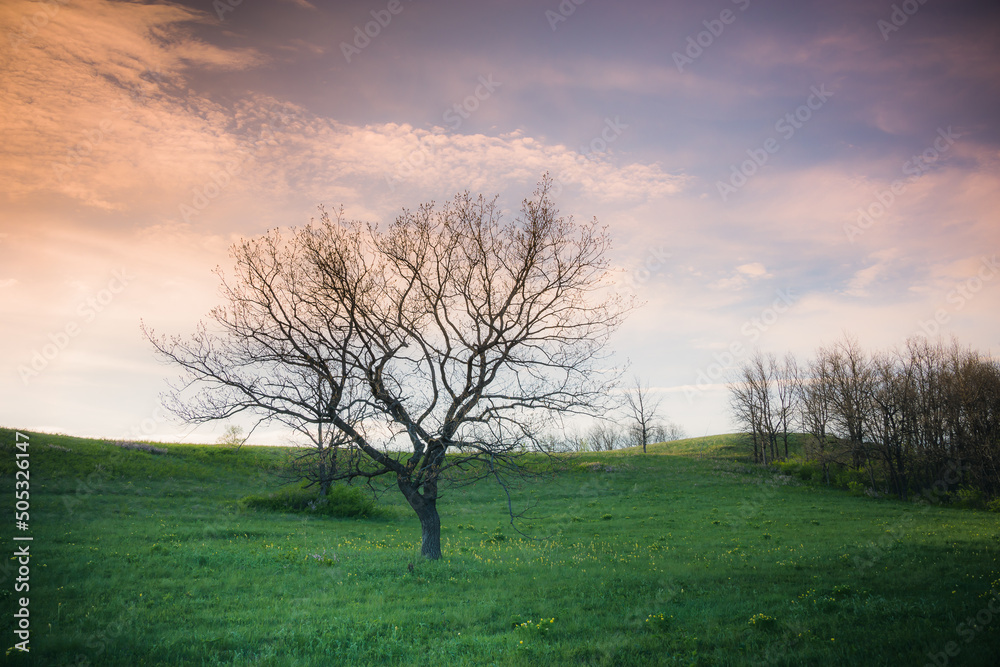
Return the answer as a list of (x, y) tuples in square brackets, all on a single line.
[(232, 436), (643, 409), (924, 416), (316, 463), (934, 414), (851, 385), (669, 432), (787, 380), (751, 402), (890, 416), (604, 437), (815, 405), (763, 402), (437, 347), (572, 439)]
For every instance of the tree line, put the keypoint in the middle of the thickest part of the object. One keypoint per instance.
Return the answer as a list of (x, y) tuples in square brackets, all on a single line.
[(901, 422)]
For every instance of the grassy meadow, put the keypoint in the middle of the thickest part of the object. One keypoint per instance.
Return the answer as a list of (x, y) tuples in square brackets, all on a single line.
[(684, 556)]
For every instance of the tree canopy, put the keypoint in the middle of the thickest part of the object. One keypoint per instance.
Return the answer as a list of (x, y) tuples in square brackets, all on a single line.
[(429, 350)]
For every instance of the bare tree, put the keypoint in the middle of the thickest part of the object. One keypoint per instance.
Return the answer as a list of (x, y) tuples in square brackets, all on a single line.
[(745, 406), (264, 355), (435, 347), (786, 379), (978, 394), (763, 401), (924, 417), (852, 376), (892, 390), (604, 437), (752, 400), (644, 411), (572, 439), (668, 432), (675, 432), (953, 424), (815, 403)]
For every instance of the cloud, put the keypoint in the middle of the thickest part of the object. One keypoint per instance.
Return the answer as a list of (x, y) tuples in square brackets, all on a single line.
[(389, 156), (863, 279), (304, 4), (753, 270), (94, 102), (745, 274), (98, 110), (882, 270)]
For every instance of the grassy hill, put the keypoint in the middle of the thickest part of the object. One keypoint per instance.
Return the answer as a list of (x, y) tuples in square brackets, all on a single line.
[(684, 556), (711, 445)]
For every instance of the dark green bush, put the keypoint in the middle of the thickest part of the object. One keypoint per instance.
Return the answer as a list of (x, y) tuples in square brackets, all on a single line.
[(969, 498), (810, 471), (790, 467), (844, 476), (806, 470), (340, 501)]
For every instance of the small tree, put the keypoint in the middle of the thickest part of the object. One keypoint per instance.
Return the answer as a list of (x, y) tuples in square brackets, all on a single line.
[(815, 404), (643, 409), (763, 401), (787, 379), (852, 379), (232, 436), (437, 348), (669, 432), (604, 437)]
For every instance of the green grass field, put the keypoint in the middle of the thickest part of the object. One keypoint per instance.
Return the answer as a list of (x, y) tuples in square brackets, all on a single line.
[(683, 556)]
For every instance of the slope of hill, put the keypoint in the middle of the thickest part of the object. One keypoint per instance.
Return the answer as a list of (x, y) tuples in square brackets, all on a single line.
[(710, 445), (144, 557)]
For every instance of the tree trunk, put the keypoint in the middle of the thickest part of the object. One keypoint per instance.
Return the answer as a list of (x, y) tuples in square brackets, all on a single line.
[(430, 527), (430, 521), (324, 483)]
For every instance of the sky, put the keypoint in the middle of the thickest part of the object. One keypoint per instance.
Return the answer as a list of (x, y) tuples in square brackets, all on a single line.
[(774, 175)]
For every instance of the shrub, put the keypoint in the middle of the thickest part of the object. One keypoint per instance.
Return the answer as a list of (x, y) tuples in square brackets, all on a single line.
[(807, 470), (844, 477), (969, 498), (810, 471), (993, 505), (340, 501), (140, 446), (790, 467)]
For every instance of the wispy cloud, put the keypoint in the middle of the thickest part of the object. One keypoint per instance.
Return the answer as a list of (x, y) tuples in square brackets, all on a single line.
[(304, 4)]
